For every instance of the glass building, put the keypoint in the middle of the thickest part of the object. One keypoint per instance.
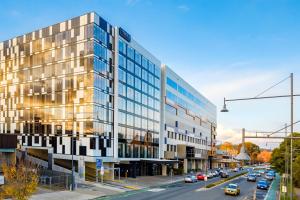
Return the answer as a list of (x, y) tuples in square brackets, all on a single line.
[(190, 123), (86, 81)]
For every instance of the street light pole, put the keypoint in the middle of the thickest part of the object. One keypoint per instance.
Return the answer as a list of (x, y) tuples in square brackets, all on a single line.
[(292, 130), (72, 149)]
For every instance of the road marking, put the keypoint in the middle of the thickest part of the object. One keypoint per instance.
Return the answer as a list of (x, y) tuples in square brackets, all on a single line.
[(156, 190)]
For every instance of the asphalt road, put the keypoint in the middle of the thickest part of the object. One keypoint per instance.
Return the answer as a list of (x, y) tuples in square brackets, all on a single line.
[(191, 191)]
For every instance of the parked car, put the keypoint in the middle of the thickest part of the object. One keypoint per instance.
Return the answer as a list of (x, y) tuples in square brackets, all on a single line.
[(262, 184), (216, 173), (190, 179), (209, 175), (201, 176), (224, 174), (236, 169), (232, 189), (251, 177)]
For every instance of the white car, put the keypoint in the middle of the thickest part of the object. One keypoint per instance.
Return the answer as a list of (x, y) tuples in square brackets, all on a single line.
[(236, 169), (190, 179), (210, 175)]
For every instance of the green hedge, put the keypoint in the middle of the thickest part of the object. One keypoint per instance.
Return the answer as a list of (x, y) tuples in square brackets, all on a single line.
[(224, 180)]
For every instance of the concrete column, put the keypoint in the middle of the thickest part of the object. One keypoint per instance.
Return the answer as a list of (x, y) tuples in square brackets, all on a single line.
[(108, 171), (81, 168), (193, 164), (164, 170), (50, 158), (185, 166), (175, 165)]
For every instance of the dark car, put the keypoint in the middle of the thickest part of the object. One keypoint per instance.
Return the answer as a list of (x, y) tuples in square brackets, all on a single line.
[(251, 177), (262, 184), (224, 174)]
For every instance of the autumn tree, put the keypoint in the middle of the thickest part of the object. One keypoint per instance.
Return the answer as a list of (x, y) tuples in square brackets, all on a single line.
[(264, 156), (229, 148), (252, 149), (20, 180)]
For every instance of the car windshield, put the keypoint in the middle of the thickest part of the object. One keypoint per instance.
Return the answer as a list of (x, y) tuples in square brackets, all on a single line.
[(252, 175), (232, 186), (188, 177), (262, 182)]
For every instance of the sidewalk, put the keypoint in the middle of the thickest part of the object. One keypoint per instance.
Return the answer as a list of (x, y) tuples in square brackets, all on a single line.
[(274, 188), (141, 182), (84, 191)]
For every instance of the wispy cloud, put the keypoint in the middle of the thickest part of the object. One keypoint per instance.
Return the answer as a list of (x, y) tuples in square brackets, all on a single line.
[(14, 13), (183, 8), (132, 2)]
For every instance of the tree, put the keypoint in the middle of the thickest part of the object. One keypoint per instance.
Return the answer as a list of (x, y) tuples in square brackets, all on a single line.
[(283, 151), (229, 148), (264, 156), (20, 180), (252, 149)]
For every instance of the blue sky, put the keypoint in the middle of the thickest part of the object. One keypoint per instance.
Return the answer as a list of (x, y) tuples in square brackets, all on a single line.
[(222, 47)]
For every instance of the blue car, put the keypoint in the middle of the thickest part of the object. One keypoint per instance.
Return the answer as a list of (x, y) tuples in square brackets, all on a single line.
[(262, 184)]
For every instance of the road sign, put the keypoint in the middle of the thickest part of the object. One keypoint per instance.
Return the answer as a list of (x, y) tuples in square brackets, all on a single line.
[(98, 163), (102, 171), (1, 180), (283, 189)]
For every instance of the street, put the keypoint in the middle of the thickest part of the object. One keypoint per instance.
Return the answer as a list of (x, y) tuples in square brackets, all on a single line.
[(190, 191)]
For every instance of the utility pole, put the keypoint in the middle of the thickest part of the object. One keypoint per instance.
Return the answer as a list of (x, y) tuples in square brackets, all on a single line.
[(286, 162), (292, 130)]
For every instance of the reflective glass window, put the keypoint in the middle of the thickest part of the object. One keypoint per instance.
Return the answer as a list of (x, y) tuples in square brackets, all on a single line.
[(122, 75), (138, 71), (138, 57), (122, 61), (130, 66), (130, 52), (122, 47), (130, 80)]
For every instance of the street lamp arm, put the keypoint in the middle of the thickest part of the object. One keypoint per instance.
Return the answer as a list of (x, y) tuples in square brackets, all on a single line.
[(264, 97)]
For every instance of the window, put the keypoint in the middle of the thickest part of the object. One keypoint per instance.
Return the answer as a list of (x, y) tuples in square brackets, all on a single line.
[(151, 67), (171, 83), (122, 103), (100, 50), (130, 93), (130, 106), (144, 63), (138, 57), (144, 75), (122, 75), (130, 66), (157, 71), (122, 61), (122, 47), (122, 89), (138, 83), (137, 109), (130, 80), (137, 96), (100, 34), (138, 71), (130, 52)]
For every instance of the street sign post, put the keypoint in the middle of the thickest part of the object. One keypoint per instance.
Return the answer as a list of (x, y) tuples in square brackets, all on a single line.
[(98, 168), (102, 173)]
